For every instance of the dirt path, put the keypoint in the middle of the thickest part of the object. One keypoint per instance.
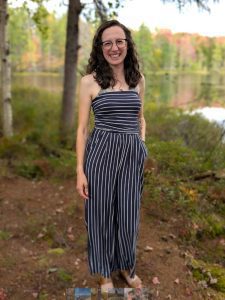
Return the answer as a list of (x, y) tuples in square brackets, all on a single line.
[(38, 216)]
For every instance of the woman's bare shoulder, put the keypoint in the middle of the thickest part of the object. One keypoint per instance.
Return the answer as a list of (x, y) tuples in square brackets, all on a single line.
[(89, 83), (88, 80)]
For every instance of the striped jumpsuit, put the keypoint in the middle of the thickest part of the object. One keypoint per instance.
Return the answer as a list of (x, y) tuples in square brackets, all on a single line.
[(113, 165)]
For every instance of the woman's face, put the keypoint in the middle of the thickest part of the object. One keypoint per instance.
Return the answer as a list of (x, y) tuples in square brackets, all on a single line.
[(114, 45)]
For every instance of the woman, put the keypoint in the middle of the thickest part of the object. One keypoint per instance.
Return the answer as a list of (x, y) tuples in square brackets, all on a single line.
[(110, 161)]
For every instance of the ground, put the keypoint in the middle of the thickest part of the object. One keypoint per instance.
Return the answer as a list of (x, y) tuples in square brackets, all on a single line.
[(43, 245)]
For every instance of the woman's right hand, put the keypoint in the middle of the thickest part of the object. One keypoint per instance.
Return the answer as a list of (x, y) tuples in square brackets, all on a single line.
[(82, 185)]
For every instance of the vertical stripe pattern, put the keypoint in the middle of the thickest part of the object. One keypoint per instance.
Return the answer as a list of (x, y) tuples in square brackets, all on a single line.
[(114, 161)]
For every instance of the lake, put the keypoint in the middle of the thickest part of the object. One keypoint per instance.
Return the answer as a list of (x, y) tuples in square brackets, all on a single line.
[(183, 90), (204, 93)]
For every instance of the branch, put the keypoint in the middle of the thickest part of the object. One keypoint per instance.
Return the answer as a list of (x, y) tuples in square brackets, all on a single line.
[(101, 10), (200, 3)]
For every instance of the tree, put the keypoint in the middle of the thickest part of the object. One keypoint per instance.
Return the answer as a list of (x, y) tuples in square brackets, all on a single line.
[(7, 115), (5, 72), (71, 55)]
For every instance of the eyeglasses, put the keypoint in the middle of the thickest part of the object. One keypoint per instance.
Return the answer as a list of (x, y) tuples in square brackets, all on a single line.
[(120, 43)]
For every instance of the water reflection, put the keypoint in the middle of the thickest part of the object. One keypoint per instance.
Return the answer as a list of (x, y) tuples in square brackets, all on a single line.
[(187, 91), (215, 114), (52, 83)]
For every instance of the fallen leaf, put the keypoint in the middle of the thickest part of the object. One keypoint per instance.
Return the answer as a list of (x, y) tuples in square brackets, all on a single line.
[(172, 236), (188, 291), (148, 248), (52, 270), (69, 230), (222, 242), (155, 280), (71, 237)]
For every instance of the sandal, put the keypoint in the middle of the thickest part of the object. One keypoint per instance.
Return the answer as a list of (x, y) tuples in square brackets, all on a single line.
[(132, 282), (106, 284)]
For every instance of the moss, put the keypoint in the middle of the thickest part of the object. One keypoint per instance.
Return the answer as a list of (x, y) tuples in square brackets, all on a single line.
[(57, 251), (4, 235), (213, 274), (64, 276)]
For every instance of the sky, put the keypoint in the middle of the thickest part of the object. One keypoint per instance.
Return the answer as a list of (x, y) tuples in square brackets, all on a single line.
[(155, 14)]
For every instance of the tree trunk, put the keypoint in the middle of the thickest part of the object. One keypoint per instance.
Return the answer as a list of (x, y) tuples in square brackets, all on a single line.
[(5, 72), (71, 55)]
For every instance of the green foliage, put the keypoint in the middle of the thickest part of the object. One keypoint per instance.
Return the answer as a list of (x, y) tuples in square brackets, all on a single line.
[(56, 251), (64, 276), (183, 143), (39, 17), (175, 158), (36, 114), (212, 274), (4, 235), (35, 150), (19, 34)]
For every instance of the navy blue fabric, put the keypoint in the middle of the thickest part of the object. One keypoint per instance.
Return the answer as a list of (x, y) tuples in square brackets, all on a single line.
[(114, 163)]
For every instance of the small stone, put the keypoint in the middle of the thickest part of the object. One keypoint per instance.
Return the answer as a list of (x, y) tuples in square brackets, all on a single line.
[(164, 238), (169, 297), (177, 281)]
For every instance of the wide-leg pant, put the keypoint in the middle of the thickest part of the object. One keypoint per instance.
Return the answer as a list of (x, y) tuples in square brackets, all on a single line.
[(114, 164)]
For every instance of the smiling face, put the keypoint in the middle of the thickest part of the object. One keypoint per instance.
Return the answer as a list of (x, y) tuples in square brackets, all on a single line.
[(116, 53)]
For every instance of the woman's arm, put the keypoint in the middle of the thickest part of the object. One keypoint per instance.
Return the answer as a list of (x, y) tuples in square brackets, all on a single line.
[(141, 113), (82, 132)]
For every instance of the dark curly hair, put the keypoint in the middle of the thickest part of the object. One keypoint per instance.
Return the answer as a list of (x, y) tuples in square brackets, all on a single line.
[(101, 69)]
